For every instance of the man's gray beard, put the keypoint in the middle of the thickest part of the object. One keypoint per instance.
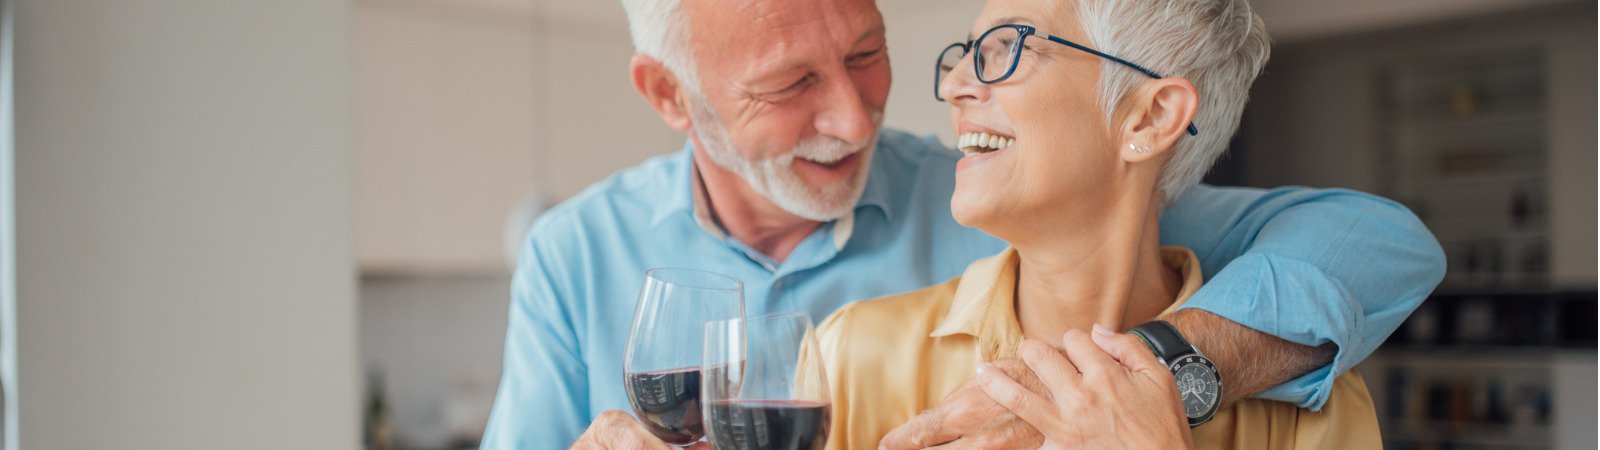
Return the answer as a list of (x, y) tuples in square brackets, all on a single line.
[(774, 178)]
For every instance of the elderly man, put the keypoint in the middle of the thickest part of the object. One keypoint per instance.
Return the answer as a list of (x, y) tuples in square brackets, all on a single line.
[(788, 183)]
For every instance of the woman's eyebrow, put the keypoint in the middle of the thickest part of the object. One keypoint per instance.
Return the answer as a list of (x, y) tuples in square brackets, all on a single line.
[(1008, 20)]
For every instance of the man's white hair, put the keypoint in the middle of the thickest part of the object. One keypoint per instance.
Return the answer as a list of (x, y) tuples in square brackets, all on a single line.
[(660, 30), (1218, 45)]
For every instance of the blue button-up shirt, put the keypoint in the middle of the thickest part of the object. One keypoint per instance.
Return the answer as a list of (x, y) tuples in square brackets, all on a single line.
[(1309, 266)]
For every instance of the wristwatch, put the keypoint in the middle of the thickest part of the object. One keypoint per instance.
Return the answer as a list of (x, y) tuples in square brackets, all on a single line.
[(1199, 383)]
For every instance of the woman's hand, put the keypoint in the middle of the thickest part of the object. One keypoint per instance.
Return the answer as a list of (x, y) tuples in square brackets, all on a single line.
[(1108, 391), (617, 430)]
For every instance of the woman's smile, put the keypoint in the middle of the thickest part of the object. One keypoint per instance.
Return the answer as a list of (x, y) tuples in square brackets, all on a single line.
[(980, 143), (973, 158), (973, 143)]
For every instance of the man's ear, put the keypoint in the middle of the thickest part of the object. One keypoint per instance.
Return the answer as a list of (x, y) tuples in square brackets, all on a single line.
[(659, 86), (1160, 114)]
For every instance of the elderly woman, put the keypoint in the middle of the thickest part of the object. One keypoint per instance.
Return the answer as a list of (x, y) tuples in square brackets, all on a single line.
[(1080, 121)]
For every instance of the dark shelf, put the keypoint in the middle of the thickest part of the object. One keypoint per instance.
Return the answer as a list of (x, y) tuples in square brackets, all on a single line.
[(1514, 318)]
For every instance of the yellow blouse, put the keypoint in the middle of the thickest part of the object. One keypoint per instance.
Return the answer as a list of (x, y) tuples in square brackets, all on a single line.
[(890, 358)]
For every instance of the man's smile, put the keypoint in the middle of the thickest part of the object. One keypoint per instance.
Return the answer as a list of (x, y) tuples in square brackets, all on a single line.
[(829, 171)]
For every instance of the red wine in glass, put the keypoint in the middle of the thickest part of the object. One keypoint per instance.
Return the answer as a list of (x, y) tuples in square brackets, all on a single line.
[(763, 384), (661, 370), (769, 424), (668, 403)]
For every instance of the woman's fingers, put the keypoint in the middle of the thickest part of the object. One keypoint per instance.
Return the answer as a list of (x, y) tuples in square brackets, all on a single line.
[(1130, 351), (1031, 407), (1090, 358), (1058, 373)]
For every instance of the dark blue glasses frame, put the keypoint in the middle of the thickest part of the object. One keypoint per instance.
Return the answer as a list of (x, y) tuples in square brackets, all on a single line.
[(1023, 31)]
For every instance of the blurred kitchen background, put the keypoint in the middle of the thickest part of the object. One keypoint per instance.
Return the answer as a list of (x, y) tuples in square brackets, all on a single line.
[(186, 174), (472, 115)]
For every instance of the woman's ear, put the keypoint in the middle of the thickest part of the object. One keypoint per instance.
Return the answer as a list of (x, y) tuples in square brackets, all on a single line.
[(1160, 114), (659, 86)]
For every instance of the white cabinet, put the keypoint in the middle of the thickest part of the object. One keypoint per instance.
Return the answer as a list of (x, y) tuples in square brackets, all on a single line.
[(462, 109)]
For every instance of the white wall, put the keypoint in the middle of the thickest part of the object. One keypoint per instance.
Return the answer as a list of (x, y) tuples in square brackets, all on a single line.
[(1573, 153), (917, 30), (1573, 376), (8, 234), (184, 262)]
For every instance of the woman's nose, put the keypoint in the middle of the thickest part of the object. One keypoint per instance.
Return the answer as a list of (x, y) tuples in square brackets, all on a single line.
[(961, 84)]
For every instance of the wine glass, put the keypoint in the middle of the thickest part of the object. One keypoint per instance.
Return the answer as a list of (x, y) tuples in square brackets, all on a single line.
[(662, 364), (763, 384)]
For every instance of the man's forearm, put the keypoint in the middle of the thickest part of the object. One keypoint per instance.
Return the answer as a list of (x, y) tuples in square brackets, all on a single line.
[(1250, 361)]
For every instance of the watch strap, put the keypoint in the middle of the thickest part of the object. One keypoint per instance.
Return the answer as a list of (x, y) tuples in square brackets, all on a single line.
[(1164, 339)]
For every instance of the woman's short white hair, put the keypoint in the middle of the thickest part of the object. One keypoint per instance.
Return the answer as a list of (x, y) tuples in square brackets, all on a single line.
[(1218, 45), (661, 31)]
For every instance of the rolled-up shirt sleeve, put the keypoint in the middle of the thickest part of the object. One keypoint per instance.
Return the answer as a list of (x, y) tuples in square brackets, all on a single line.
[(543, 396), (1310, 266)]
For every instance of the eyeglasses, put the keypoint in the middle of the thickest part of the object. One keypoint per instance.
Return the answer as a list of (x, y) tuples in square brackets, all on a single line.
[(999, 50)]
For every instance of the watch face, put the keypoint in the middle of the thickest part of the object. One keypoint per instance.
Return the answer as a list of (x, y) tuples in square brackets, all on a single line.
[(1198, 385)]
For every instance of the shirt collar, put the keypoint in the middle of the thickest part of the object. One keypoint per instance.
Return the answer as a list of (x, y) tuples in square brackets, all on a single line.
[(680, 180), (879, 185), (686, 193), (983, 305), (1188, 266)]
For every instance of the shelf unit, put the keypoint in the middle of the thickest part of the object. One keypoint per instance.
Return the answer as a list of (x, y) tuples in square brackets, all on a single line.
[(1466, 138), (1465, 135), (1487, 397), (1484, 128), (1482, 370)]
